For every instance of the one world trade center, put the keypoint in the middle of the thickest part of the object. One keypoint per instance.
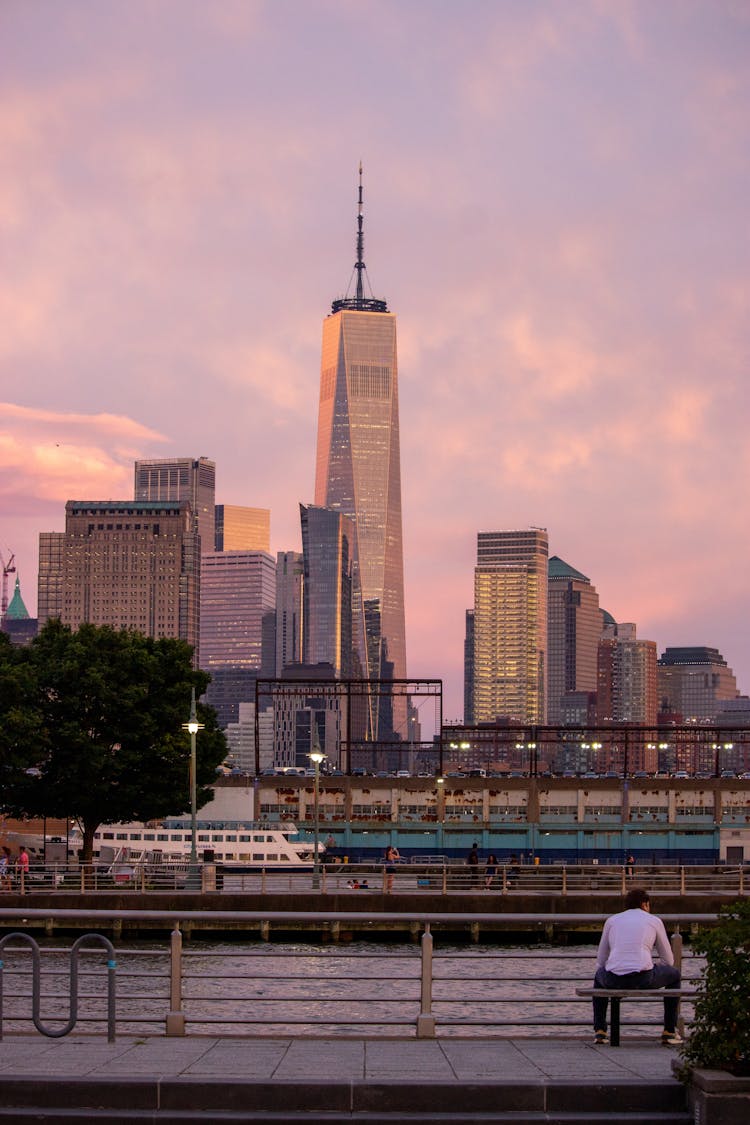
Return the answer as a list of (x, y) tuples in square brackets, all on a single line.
[(358, 472)]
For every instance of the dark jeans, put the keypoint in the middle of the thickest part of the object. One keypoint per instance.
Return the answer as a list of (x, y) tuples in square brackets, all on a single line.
[(661, 976)]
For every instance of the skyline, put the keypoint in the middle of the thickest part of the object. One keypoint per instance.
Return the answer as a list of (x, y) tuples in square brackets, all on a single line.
[(555, 204)]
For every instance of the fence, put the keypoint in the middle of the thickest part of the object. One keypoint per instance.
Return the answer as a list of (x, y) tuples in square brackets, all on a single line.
[(256, 989), (436, 877)]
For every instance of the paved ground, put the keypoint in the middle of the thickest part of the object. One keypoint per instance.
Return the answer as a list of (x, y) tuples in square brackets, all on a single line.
[(292, 1060)]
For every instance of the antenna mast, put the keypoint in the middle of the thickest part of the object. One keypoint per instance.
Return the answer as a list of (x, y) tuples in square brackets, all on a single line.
[(360, 263), (359, 302)]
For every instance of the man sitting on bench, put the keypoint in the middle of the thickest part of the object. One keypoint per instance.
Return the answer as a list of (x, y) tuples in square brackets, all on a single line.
[(625, 960)]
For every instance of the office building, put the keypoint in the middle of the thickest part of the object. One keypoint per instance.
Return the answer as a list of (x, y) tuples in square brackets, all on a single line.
[(289, 608), (574, 627), (16, 622), (182, 478), (242, 529), (237, 627), (327, 550), (129, 564), (693, 682), (469, 669), (510, 626), (626, 677), (358, 473), (240, 737), (307, 715)]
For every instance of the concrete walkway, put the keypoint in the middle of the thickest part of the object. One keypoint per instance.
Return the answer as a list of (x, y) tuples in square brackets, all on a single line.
[(292, 1059), (161, 1081)]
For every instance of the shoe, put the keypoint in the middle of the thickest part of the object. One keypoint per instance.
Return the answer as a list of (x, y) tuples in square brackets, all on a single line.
[(670, 1038), (601, 1038)]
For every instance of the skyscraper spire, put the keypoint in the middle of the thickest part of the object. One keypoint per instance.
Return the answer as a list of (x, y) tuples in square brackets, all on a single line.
[(359, 265), (360, 303)]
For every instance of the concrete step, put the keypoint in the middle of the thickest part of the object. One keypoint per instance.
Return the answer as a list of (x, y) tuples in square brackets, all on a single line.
[(169, 1101), (70, 1115)]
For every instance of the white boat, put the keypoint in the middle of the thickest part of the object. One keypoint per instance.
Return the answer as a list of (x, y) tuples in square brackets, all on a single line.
[(244, 844)]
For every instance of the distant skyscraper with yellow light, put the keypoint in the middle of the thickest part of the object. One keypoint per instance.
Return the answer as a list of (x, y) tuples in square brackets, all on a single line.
[(510, 626), (242, 529), (358, 472)]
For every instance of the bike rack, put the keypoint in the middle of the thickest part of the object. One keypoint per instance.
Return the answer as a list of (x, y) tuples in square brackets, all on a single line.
[(36, 969)]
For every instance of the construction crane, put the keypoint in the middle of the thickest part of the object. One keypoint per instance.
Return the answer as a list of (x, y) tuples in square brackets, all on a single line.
[(8, 568)]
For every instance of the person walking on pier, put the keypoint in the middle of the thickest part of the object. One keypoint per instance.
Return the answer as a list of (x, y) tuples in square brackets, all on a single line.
[(490, 871), (5, 876), (392, 854), (473, 861), (625, 960)]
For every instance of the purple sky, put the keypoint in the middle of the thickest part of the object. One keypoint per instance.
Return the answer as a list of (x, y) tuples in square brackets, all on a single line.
[(556, 207)]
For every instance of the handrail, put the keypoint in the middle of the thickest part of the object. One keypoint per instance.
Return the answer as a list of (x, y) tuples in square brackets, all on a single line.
[(426, 991), (567, 880)]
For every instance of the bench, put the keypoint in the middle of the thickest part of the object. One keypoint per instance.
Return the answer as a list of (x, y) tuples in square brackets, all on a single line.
[(616, 995)]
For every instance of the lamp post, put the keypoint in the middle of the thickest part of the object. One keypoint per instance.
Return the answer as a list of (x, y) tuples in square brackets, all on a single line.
[(316, 757), (192, 726)]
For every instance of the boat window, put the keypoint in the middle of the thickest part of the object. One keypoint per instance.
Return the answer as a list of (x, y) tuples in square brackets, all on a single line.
[(162, 836), (285, 858), (231, 839), (108, 835), (258, 855), (272, 857), (176, 838), (218, 839), (149, 836), (121, 836), (203, 837), (246, 839), (229, 855), (135, 835)]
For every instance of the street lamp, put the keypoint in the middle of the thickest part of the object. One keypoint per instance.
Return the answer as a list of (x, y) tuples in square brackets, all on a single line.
[(192, 726), (316, 756)]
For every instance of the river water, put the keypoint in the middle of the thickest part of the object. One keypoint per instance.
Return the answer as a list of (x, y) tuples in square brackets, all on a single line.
[(255, 988)]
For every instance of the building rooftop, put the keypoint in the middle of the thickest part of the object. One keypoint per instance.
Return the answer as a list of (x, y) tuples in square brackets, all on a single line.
[(558, 568)]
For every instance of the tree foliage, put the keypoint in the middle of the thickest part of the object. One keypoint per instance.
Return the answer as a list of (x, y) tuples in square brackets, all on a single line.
[(106, 709), (720, 1032)]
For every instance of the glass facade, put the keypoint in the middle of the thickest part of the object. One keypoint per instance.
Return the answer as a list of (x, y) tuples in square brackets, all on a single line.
[(574, 628), (327, 541), (510, 626), (358, 472), (242, 529), (237, 626)]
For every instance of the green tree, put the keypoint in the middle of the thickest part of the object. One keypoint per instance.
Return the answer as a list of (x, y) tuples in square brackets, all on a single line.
[(110, 747), (19, 718)]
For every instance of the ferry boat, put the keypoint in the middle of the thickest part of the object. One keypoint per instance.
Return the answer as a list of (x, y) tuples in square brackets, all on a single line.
[(238, 844)]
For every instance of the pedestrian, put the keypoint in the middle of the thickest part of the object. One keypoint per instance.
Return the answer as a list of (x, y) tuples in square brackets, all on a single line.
[(514, 871), (630, 866), (22, 864), (490, 870), (391, 856), (5, 875), (473, 861), (625, 960)]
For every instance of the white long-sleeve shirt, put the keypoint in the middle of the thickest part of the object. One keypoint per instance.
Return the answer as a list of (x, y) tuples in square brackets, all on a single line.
[(628, 941)]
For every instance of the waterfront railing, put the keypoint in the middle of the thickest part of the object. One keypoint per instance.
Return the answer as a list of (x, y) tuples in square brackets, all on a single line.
[(257, 988), (436, 877)]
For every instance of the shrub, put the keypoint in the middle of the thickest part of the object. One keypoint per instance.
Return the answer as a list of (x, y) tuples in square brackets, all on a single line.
[(720, 1034)]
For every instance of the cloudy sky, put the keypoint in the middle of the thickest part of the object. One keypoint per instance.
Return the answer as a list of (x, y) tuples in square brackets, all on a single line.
[(556, 208)]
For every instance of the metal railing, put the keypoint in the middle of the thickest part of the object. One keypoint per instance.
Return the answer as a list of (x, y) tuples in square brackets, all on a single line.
[(436, 877), (258, 989)]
